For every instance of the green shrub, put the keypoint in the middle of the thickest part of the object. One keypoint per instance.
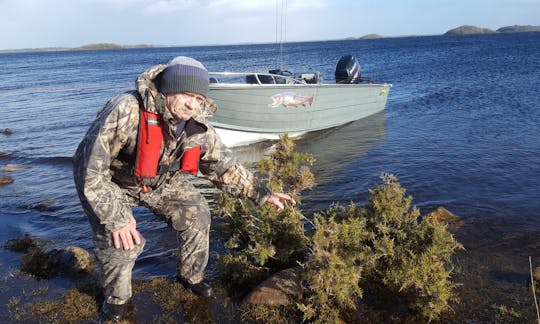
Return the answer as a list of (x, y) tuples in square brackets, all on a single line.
[(413, 253), (333, 269), (385, 247), (267, 239)]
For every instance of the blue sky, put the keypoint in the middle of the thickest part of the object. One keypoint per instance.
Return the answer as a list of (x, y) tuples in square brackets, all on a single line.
[(72, 23)]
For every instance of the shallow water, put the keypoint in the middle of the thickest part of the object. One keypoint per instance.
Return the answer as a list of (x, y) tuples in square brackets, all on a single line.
[(460, 130)]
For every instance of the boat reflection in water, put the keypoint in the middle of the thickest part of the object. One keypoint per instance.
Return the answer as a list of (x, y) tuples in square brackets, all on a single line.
[(335, 150)]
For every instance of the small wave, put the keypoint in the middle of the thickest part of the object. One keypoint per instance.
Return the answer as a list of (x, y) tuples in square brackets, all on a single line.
[(29, 160), (64, 89), (56, 160)]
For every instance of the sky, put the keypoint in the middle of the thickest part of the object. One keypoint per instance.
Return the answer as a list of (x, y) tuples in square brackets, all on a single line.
[(73, 23)]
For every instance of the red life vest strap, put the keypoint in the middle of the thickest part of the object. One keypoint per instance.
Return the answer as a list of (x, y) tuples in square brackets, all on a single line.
[(149, 144), (188, 164), (190, 160), (149, 141)]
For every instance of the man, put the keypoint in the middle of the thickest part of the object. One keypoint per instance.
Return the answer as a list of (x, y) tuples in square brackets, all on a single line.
[(139, 151)]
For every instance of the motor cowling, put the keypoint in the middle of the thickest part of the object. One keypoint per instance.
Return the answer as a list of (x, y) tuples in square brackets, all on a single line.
[(347, 70)]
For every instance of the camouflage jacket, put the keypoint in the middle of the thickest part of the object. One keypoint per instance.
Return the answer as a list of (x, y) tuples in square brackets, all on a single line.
[(104, 161)]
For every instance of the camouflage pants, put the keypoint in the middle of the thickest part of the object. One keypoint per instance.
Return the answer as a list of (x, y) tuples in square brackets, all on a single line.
[(185, 210)]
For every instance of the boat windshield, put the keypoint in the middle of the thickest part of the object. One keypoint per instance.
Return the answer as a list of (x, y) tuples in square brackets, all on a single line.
[(251, 78)]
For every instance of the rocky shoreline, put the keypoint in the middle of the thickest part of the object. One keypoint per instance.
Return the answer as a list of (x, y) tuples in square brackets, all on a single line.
[(164, 300)]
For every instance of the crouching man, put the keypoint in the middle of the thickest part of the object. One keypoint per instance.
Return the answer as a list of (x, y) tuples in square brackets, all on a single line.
[(139, 151)]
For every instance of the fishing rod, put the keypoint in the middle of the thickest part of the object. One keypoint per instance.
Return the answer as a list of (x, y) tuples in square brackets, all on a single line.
[(281, 28)]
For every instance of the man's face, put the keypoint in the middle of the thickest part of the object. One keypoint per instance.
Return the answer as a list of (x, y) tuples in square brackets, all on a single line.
[(183, 105)]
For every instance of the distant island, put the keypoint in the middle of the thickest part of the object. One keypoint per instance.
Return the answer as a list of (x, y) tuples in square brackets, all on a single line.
[(88, 47), (461, 30), (103, 46), (371, 36), (519, 29), (469, 30), (474, 30), (368, 36)]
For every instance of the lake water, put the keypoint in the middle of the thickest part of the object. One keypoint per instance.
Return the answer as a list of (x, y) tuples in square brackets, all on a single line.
[(460, 130)]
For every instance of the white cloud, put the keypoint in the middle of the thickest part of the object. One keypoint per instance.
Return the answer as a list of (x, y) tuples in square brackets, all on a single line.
[(266, 6), (151, 7), (241, 5), (38, 23), (169, 6), (117, 3), (216, 6)]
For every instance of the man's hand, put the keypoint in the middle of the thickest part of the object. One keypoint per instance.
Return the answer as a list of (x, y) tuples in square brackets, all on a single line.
[(279, 199), (127, 237)]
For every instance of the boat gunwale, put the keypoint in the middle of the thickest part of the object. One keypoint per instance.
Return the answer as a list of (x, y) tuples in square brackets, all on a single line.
[(294, 83), (232, 86)]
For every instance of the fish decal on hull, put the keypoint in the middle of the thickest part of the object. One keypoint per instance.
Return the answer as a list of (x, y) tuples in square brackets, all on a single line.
[(290, 100)]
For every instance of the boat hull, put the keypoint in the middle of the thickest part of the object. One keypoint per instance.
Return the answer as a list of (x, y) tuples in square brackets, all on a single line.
[(276, 109)]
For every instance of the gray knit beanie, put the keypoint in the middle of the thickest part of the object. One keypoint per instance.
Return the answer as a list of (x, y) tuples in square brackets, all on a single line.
[(184, 74)]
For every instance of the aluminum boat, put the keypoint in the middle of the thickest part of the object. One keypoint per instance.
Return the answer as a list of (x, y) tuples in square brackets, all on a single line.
[(259, 106)]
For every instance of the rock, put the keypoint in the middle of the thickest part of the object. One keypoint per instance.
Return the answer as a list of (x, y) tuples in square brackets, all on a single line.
[(2, 154), (519, 29), (469, 30), (536, 275), (22, 244), (280, 289), (443, 215), (5, 180), (71, 260), (43, 263), (46, 204), (48, 201), (7, 131), (13, 167)]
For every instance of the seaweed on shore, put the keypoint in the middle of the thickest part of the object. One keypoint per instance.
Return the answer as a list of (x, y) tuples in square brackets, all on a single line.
[(22, 244), (165, 300)]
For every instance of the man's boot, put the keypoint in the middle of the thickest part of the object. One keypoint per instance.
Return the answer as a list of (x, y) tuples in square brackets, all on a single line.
[(114, 312), (202, 288)]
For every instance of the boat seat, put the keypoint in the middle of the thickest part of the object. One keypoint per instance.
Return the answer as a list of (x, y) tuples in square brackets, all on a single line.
[(311, 77), (261, 78), (251, 79), (213, 80), (267, 79)]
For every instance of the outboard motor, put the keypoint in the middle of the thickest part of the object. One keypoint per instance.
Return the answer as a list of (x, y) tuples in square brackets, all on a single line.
[(347, 70)]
